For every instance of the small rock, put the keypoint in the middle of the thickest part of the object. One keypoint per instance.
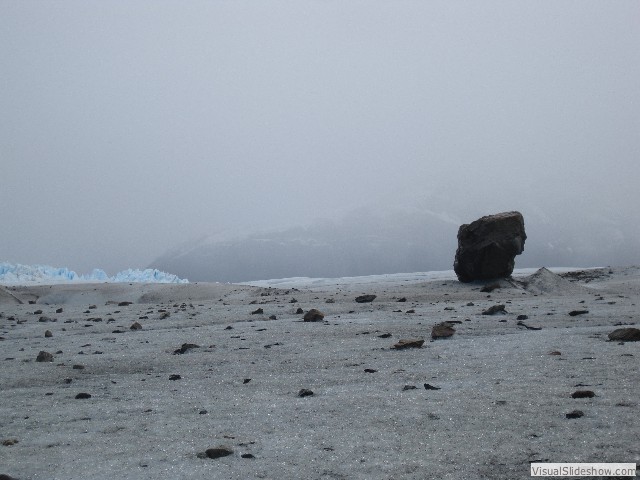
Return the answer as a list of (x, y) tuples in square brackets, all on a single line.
[(293, 300), (185, 348), (272, 317), (59, 310), (9, 442), (583, 394), (403, 299), (555, 352), (313, 315), (528, 327), (370, 370), (490, 288), (218, 452), (442, 330), (330, 300), (625, 335), (411, 311), (522, 317), (257, 312), (574, 313), (365, 298), (45, 319), (245, 381), (78, 367), (164, 315), (409, 343), (247, 455), (575, 414), (384, 335), (135, 326), (174, 377), (305, 392), (48, 334), (38, 312), (409, 387), (44, 357), (202, 412), (299, 311), (495, 309), (428, 386), (83, 396), (228, 327)]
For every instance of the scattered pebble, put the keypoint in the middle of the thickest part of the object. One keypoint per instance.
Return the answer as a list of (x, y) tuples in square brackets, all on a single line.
[(313, 315), (44, 357), (583, 394), (245, 381), (494, 309), (78, 367), (135, 326), (428, 386), (247, 455), (575, 414), (442, 330), (409, 387), (574, 313), (48, 334), (555, 352), (174, 377), (9, 442), (409, 343), (522, 317), (305, 392), (82, 396), (625, 335), (370, 370), (365, 298), (257, 312), (218, 452), (185, 348)]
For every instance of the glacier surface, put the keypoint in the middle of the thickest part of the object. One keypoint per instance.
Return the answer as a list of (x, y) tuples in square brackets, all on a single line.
[(27, 274)]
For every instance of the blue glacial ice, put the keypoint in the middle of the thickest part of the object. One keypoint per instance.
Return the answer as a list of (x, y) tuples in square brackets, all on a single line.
[(26, 274)]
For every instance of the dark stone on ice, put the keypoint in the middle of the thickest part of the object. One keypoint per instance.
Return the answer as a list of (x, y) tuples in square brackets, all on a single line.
[(522, 317), (409, 343), (44, 357), (218, 452), (174, 377), (83, 396), (185, 348), (313, 315), (245, 381), (409, 387), (247, 455), (48, 334), (370, 370), (487, 247), (365, 298), (305, 392), (124, 304), (625, 335), (583, 394), (528, 327), (299, 311), (490, 288), (574, 313), (257, 312), (575, 414), (384, 335), (494, 309), (442, 330), (135, 326), (428, 386)]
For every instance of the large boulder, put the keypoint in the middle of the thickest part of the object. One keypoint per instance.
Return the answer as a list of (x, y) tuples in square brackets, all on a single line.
[(488, 246)]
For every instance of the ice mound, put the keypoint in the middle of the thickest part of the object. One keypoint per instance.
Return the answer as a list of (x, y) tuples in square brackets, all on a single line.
[(544, 281), (28, 274)]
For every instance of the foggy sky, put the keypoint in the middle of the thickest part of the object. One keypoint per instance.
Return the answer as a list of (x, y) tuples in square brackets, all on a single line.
[(129, 126)]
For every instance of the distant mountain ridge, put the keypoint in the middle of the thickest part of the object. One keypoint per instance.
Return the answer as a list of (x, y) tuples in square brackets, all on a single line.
[(372, 241)]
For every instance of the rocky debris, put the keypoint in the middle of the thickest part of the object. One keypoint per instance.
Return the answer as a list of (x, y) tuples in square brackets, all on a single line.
[(487, 247), (45, 319), (384, 335), (625, 335), (370, 370), (402, 300), (555, 352), (409, 343), (329, 300), (305, 392), (299, 311), (365, 298), (164, 315), (9, 442), (293, 300), (583, 394), (38, 312), (218, 452), (522, 324), (313, 315), (44, 357), (495, 309), (245, 381), (83, 396), (124, 304), (185, 348), (490, 288), (174, 377), (78, 367), (59, 310), (409, 387), (575, 414), (48, 334), (247, 455), (522, 317), (442, 330), (428, 386), (574, 313), (257, 311), (135, 326)]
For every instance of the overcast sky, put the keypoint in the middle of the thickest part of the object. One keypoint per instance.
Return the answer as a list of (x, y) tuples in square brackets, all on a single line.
[(129, 126)]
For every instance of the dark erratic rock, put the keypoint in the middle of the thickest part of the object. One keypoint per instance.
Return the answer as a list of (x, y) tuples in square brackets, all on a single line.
[(442, 330), (409, 343), (575, 414), (428, 386), (4, 476), (305, 392), (44, 357), (124, 304), (299, 311), (487, 247), (218, 452), (48, 334), (313, 315), (174, 377), (258, 311), (625, 335), (365, 298), (135, 326), (83, 396)]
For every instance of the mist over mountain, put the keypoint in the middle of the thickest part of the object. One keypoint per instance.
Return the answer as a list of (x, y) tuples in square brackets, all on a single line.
[(392, 237)]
